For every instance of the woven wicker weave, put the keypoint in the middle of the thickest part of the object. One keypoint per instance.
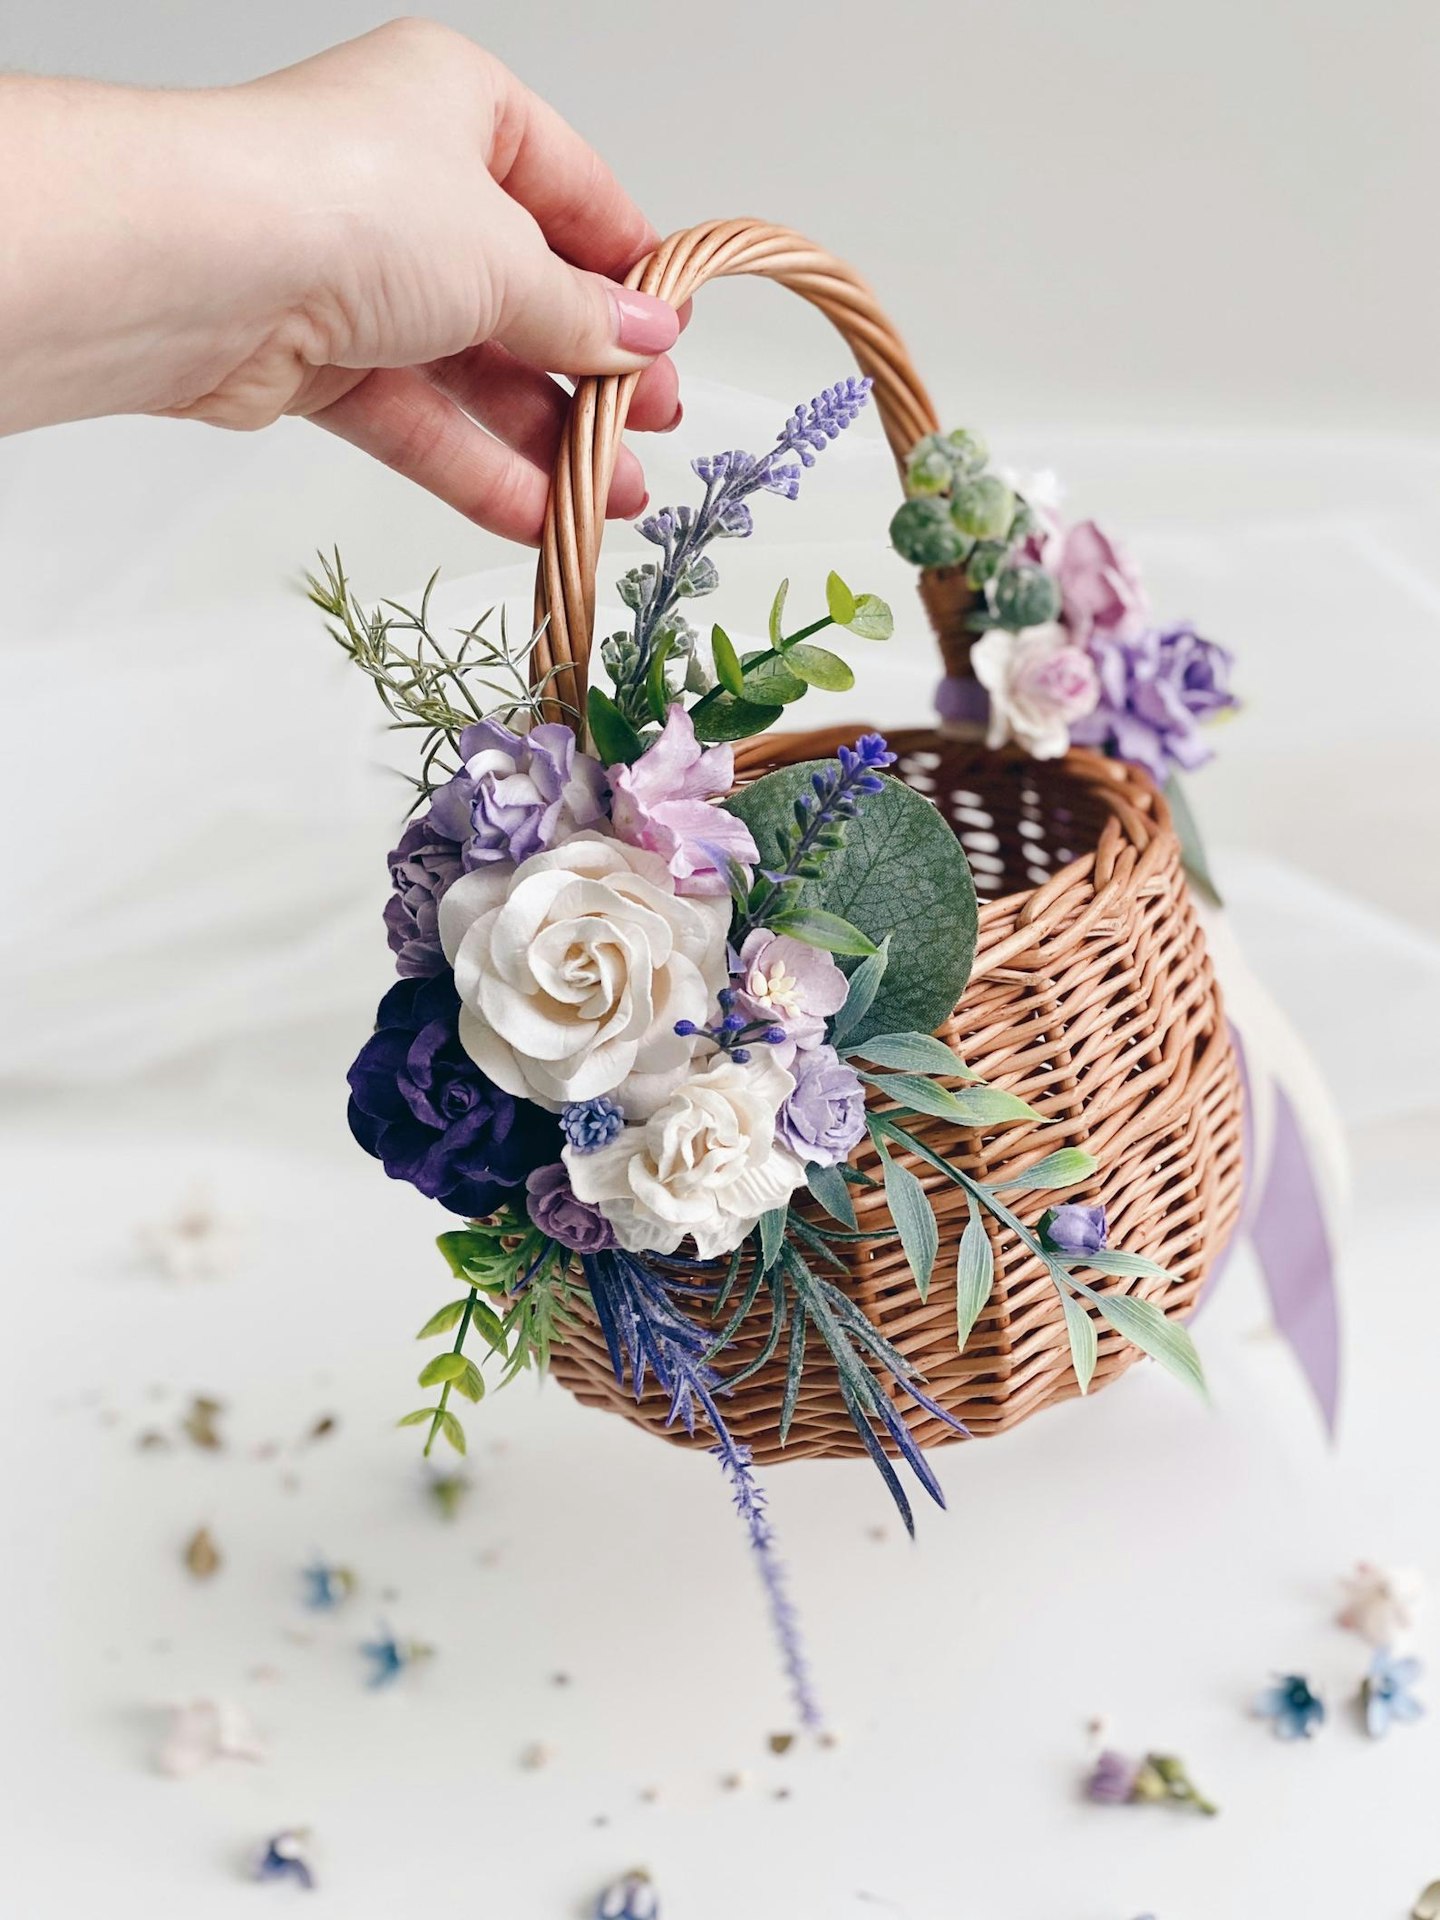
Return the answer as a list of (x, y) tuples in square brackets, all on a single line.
[(1092, 995)]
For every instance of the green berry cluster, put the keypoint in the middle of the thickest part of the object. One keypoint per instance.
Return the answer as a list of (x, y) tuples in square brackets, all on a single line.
[(958, 514)]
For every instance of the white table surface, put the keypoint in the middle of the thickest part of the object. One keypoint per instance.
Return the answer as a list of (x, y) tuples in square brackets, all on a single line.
[(1136, 1557)]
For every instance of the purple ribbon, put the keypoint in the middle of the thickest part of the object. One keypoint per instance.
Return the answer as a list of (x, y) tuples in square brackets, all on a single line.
[(1285, 1220)]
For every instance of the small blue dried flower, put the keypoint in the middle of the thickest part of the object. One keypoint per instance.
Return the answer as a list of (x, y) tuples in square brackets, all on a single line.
[(326, 1586), (284, 1859), (1295, 1711), (390, 1657), (631, 1898), (1386, 1695), (589, 1125)]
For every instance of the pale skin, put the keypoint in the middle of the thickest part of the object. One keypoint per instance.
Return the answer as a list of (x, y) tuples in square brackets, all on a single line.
[(395, 239)]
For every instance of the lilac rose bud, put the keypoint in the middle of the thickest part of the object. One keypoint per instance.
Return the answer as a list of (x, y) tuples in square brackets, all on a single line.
[(554, 1209), (1157, 688), (1075, 1229), (518, 794), (421, 868), (1100, 589), (823, 1119)]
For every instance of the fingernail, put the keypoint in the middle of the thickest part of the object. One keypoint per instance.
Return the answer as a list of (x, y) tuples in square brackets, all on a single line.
[(679, 416), (643, 324)]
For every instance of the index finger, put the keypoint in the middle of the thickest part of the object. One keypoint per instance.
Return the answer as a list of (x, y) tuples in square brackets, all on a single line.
[(585, 214)]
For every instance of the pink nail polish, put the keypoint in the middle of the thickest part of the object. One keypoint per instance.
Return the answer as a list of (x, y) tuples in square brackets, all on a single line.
[(643, 324)]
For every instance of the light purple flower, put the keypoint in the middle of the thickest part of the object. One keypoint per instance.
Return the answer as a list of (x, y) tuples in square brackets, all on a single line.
[(662, 803), (1100, 590), (518, 794), (785, 983), (1075, 1229), (823, 1120), (1113, 1779), (554, 1209), (421, 868), (1157, 687), (1387, 1694)]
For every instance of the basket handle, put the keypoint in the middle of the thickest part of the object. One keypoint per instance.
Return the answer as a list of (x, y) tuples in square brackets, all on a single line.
[(679, 266)]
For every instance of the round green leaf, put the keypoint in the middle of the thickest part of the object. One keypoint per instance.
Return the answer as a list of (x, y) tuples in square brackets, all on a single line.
[(818, 667), (901, 872)]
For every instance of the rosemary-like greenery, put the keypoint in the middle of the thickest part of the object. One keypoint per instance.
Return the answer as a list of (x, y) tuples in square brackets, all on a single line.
[(429, 684)]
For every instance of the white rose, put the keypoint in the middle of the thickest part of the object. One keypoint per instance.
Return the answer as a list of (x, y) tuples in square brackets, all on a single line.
[(573, 968), (1039, 681), (706, 1163)]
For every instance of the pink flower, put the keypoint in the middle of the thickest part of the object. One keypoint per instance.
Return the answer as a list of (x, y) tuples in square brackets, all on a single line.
[(786, 984), (662, 803), (1100, 588), (1038, 683)]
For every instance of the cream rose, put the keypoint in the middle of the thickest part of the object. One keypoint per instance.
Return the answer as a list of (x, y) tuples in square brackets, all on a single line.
[(706, 1163), (573, 968), (1039, 682)]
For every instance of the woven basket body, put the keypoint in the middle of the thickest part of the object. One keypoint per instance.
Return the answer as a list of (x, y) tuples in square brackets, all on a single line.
[(1092, 995)]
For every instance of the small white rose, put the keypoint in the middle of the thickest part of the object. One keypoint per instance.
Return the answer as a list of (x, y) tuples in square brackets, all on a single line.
[(1039, 681), (1382, 1604), (574, 967), (706, 1162)]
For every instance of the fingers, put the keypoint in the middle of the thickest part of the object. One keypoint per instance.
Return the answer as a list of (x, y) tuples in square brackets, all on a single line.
[(527, 410), (411, 426), (584, 213)]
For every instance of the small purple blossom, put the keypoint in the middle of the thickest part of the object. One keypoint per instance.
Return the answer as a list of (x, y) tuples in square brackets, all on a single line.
[(284, 1859), (1074, 1229), (518, 794), (1387, 1696), (422, 867), (1157, 688), (823, 1119), (783, 984), (1294, 1710), (1112, 1779), (589, 1125), (554, 1209), (631, 1898)]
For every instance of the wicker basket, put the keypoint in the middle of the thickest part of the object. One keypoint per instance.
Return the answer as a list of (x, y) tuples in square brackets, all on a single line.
[(1092, 995)]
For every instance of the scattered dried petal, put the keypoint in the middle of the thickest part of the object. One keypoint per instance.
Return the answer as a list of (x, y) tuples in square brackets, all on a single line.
[(206, 1730), (199, 1422), (781, 1742), (202, 1556)]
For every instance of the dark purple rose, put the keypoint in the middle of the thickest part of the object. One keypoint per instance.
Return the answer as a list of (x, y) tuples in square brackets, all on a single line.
[(420, 1104), (824, 1118), (1075, 1229), (1156, 689), (518, 794), (555, 1210), (421, 868)]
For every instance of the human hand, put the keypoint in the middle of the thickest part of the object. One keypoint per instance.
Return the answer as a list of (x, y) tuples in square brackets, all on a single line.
[(395, 239)]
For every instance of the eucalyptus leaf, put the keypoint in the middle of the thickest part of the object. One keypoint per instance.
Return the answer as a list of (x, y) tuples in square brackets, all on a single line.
[(872, 618), (909, 1053), (839, 600), (417, 1418), (828, 931), (818, 667), (864, 984), (1084, 1341), (470, 1383), (1143, 1324), (768, 681), (901, 872), (914, 1219), (777, 615), (616, 742), (452, 1430), (772, 1235), (829, 1188), (728, 670), (487, 1323), (443, 1321), (974, 1275), (722, 717), (1065, 1168)]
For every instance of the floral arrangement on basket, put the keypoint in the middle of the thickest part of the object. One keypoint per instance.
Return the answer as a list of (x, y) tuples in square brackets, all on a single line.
[(672, 1041)]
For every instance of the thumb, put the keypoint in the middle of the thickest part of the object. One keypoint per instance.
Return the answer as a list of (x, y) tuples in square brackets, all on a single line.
[(564, 320)]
